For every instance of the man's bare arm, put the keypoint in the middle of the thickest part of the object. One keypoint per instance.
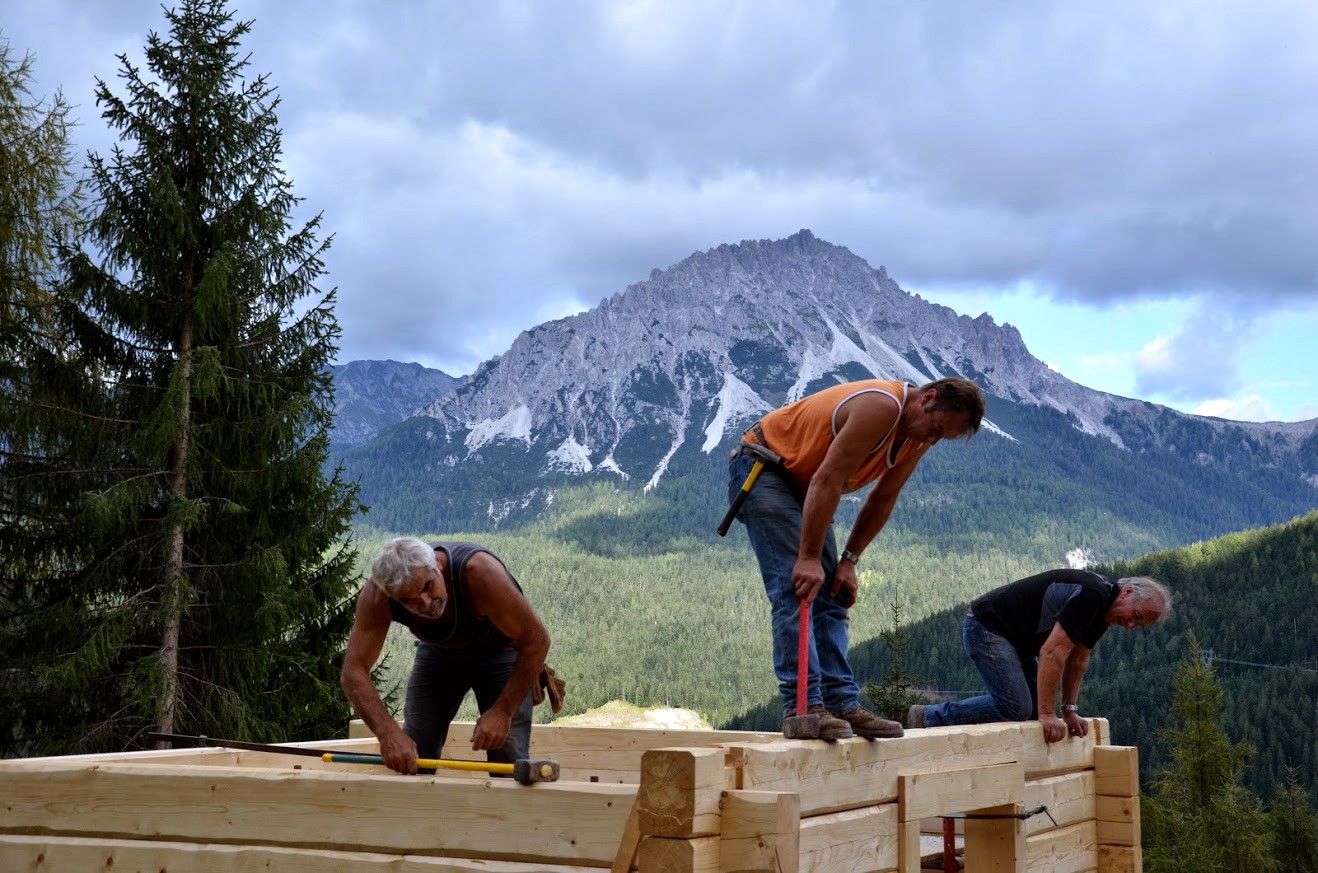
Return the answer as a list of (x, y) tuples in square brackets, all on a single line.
[(1052, 663), (365, 642), (494, 595), (1076, 665)]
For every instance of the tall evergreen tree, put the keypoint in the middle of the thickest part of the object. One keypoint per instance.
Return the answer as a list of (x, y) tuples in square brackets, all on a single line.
[(39, 206), (1294, 828), (1201, 817), (212, 584)]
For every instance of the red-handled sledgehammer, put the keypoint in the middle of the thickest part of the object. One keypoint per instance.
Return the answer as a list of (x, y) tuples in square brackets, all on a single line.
[(804, 725)]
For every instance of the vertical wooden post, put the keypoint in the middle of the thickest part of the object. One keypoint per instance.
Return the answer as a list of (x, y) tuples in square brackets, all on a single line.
[(996, 845), (1117, 809), (678, 810)]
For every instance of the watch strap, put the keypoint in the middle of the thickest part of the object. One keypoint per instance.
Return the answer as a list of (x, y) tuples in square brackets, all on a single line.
[(848, 555)]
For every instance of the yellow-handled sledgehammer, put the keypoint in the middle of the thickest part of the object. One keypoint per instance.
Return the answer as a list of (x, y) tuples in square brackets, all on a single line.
[(524, 770)]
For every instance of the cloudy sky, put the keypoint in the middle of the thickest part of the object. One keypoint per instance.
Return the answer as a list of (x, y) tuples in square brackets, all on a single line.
[(1131, 184)]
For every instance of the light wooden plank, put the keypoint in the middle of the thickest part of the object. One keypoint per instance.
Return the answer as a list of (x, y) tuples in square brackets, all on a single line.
[(671, 855), (212, 755), (854, 773), (1072, 849), (996, 845), (909, 846), (21, 852), (1118, 820), (1041, 758), (761, 831), (606, 755), (1120, 859), (1069, 798), (853, 840), (564, 823), (942, 791), (680, 792), (1117, 771), (625, 858)]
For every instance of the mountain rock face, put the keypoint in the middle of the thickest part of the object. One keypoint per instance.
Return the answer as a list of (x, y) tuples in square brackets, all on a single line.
[(662, 378), (371, 395)]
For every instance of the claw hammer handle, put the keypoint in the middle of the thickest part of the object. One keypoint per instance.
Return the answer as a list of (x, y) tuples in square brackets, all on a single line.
[(740, 498)]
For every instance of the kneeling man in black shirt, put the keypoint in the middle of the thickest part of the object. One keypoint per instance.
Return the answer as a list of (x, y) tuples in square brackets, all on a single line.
[(1032, 636)]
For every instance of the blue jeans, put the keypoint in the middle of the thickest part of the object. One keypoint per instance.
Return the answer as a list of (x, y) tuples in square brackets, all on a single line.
[(435, 691), (1010, 678), (772, 515)]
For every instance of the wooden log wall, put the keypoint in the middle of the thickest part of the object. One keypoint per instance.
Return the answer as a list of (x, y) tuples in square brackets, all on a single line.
[(648, 800)]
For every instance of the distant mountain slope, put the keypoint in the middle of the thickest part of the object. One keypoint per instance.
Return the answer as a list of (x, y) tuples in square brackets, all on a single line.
[(371, 395), (649, 389), (1251, 598)]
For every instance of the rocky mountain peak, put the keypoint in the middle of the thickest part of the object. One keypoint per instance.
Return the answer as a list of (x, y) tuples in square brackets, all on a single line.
[(710, 343)]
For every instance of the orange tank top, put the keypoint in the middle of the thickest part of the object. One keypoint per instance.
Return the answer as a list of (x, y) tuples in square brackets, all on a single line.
[(801, 433)]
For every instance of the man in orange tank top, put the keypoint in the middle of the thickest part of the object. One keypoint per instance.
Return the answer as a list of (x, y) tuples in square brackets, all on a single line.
[(834, 442)]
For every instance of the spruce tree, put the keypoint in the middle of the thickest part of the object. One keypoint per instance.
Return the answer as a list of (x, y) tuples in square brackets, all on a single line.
[(895, 695), (1294, 828), (39, 207), (1201, 817), (212, 584)]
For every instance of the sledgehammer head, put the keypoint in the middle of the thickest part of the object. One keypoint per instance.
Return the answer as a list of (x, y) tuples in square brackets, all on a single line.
[(801, 727), (526, 770)]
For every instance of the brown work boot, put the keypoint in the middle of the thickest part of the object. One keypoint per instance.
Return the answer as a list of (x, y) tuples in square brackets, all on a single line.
[(830, 728), (866, 724)]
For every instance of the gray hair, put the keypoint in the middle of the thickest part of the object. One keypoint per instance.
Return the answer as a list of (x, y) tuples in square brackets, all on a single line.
[(398, 561), (1150, 593)]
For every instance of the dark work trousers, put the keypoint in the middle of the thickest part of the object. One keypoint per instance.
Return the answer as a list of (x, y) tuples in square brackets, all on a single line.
[(436, 689)]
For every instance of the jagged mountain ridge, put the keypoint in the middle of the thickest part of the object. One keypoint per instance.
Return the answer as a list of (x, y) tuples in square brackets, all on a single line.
[(371, 395), (647, 390), (721, 337)]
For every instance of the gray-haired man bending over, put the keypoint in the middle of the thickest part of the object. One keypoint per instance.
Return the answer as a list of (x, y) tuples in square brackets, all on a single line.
[(475, 632), (1034, 635)]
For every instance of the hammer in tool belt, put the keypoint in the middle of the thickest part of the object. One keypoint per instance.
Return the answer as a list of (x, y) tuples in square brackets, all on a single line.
[(762, 456)]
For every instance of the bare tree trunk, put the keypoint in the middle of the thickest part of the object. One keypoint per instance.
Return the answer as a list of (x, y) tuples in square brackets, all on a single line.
[(175, 580)]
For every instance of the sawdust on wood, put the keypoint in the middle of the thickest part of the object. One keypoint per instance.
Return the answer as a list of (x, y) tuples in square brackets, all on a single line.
[(618, 713)]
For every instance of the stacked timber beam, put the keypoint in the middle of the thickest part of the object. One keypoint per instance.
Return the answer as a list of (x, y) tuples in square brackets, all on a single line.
[(651, 800)]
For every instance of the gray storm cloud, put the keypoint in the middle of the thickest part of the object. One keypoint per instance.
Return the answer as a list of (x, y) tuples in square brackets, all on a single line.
[(480, 163)]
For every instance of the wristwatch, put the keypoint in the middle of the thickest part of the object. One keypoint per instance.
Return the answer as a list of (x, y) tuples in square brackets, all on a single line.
[(1070, 707), (848, 555)]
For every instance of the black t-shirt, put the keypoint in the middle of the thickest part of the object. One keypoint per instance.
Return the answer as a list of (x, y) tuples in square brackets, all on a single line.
[(1025, 611)]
